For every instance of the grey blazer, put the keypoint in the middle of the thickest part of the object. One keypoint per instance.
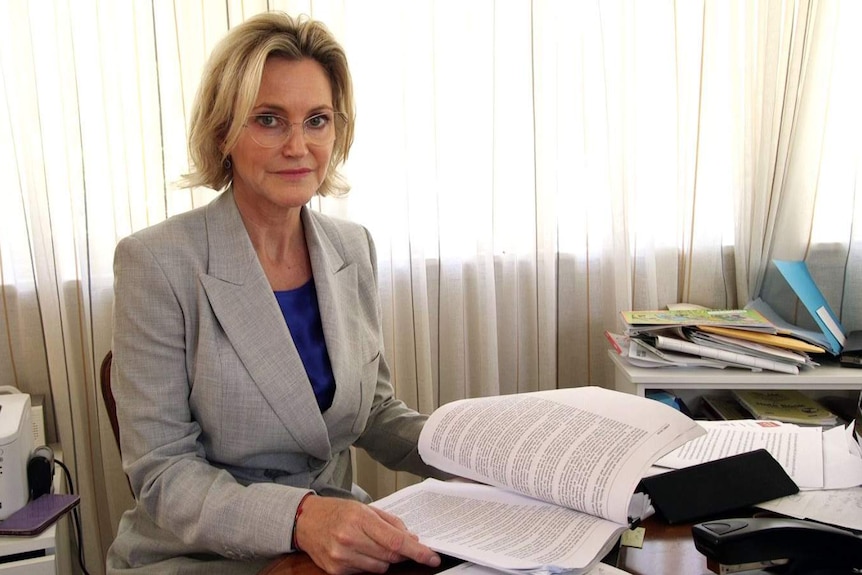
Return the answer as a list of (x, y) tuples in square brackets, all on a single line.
[(221, 434)]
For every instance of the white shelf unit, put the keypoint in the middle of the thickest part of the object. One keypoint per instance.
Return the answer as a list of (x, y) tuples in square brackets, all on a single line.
[(43, 544), (694, 382), (52, 546)]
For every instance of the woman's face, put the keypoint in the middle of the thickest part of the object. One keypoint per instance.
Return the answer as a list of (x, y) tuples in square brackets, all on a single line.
[(275, 179)]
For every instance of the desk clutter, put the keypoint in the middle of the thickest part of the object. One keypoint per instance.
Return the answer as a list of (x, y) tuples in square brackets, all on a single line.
[(552, 481), (549, 477), (755, 338), (822, 454), (809, 475), (710, 338)]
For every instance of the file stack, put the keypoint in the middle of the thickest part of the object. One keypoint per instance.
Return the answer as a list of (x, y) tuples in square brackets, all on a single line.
[(710, 338)]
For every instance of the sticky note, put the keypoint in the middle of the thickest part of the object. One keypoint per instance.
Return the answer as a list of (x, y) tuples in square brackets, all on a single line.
[(633, 537)]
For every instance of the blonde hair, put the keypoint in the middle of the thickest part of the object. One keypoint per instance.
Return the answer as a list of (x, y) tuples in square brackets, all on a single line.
[(231, 81)]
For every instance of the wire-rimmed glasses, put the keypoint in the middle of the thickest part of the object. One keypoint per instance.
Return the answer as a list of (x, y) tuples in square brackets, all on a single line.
[(270, 130)]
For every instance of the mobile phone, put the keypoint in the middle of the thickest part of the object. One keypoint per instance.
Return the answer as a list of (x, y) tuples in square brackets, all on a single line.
[(38, 515)]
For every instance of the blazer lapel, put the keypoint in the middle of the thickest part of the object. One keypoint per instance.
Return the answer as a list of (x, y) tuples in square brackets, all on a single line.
[(336, 283), (243, 302)]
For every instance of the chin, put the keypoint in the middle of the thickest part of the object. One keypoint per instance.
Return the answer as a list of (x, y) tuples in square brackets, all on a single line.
[(293, 199)]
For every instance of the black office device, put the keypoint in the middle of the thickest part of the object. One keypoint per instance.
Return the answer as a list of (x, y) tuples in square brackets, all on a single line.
[(40, 472), (803, 546), (715, 487), (851, 353)]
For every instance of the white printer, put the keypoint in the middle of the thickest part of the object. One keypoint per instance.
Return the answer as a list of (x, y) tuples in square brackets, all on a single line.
[(16, 444)]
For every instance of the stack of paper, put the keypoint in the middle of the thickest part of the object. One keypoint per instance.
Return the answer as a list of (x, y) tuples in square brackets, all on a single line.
[(755, 337), (709, 338), (825, 464)]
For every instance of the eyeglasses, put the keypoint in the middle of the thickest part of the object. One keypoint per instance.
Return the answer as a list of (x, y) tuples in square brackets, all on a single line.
[(272, 131)]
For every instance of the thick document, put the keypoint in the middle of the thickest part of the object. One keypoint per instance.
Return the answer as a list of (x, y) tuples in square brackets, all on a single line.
[(552, 476)]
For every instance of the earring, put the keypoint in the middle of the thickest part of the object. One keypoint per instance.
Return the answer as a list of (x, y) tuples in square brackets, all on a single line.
[(227, 163)]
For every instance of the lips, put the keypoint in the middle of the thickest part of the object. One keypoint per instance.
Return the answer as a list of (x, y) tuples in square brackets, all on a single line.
[(294, 172)]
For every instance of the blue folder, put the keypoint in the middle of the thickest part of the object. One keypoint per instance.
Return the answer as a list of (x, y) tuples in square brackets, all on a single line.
[(799, 279)]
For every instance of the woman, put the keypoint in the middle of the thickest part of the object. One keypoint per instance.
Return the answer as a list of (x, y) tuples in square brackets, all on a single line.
[(247, 340)]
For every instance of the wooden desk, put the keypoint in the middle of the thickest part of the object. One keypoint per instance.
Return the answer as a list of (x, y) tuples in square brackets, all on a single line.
[(667, 549), (301, 564)]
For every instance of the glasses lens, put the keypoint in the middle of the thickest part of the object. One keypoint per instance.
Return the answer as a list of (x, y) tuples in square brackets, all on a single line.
[(319, 129), (272, 131), (268, 130)]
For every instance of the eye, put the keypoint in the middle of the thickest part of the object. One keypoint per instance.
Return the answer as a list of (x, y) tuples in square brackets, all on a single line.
[(318, 121), (270, 121)]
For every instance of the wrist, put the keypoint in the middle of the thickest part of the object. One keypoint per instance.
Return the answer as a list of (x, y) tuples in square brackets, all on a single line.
[(293, 541)]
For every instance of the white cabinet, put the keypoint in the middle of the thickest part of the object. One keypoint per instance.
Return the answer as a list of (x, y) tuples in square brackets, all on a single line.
[(39, 555), (699, 381), (29, 555)]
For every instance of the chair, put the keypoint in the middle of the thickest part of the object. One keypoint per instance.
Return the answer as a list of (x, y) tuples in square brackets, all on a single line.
[(110, 404), (108, 395)]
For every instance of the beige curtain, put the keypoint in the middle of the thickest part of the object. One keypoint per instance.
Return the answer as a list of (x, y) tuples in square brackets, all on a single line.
[(527, 169)]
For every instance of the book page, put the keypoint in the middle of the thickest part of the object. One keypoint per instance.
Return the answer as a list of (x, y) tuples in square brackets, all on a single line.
[(474, 569), (501, 529), (799, 450), (584, 448), (840, 507)]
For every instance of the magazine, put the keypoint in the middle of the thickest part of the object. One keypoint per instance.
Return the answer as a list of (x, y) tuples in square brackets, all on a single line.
[(749, 319)]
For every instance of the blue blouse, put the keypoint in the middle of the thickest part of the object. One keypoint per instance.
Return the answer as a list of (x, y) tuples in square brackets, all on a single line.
[(302, 314)]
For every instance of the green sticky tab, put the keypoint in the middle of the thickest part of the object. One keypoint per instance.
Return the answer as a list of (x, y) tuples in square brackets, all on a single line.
[(633, 537)]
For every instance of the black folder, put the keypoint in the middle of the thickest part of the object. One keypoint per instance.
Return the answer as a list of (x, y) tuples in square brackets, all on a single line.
[(715, 487)]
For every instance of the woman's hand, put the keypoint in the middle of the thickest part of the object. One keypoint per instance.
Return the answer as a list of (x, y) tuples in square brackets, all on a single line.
[(343, 537)]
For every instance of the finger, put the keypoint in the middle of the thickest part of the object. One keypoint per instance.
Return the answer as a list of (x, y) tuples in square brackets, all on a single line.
[(400, 544), (412, 549), (357, 563), (393, 520), (364, 555)]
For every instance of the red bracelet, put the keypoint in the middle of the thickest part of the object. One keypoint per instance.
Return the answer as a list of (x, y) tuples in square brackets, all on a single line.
[(296, 518)]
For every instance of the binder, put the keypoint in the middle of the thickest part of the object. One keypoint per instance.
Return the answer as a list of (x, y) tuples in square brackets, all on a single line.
[(799, 279)]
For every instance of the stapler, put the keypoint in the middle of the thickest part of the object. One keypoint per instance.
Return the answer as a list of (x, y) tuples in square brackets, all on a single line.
[(788, 546)]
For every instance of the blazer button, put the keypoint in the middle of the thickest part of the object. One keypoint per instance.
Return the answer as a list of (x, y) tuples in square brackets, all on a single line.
[(315, 464)]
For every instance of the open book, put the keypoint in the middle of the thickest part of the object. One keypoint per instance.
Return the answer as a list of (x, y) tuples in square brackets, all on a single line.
[(556, 473)]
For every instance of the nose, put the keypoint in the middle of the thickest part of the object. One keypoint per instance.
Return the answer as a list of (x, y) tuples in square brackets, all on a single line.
[(295, 144)]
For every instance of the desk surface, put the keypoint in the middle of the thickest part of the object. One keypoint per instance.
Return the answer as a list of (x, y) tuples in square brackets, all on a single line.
[(666, 549), (301, 564)]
